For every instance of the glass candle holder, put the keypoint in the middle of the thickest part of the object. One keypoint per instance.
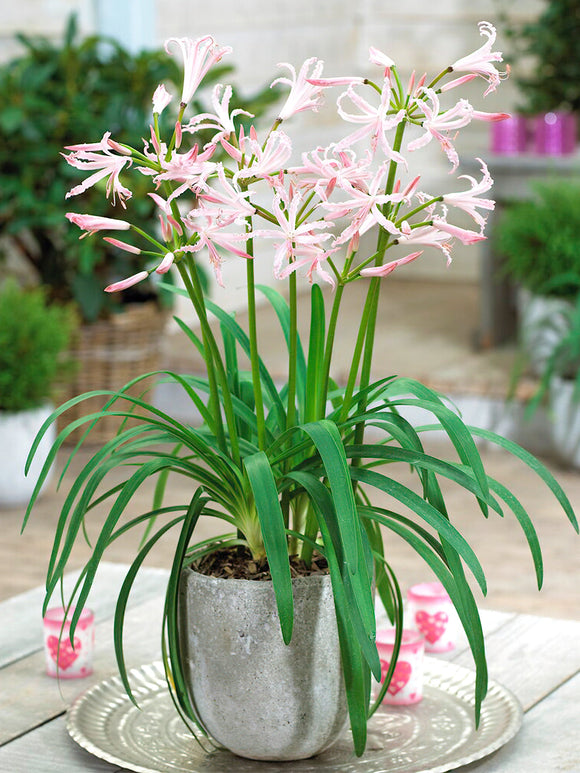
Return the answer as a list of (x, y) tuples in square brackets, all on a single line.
[(63, 659), (555, 134), (431, 613), (509, 137), (406, 685)]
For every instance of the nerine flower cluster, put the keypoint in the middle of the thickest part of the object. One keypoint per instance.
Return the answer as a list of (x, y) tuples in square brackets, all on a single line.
[(319, 208)]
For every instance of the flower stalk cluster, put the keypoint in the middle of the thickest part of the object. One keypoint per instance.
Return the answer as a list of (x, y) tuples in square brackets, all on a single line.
[(319, 207)]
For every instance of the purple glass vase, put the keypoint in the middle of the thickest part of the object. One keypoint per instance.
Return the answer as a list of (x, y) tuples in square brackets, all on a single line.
[(554, 134), (509, 137)]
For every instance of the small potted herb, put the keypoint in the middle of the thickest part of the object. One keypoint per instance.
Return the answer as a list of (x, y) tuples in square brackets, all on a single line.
[(33, 338), (539, 240)]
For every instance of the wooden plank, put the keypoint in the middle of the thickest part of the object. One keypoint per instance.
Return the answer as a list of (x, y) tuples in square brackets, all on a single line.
[(28, 697), (548, 741), (50, 749), (21, 616), (532, 656)]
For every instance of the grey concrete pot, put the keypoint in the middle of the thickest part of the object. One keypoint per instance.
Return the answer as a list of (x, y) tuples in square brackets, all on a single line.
[(256, 696)]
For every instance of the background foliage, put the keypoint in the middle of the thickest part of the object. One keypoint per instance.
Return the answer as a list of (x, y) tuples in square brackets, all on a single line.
[(55, 95), (33, 336)]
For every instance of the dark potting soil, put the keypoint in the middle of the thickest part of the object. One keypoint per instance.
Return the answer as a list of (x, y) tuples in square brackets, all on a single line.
[(237, 563)]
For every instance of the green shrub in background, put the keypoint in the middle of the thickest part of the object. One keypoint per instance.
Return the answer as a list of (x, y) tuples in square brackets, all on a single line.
[(55, 95), (33, 338), (540, 239), (550, 42)]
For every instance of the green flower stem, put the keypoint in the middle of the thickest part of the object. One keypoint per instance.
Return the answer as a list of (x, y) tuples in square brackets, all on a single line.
[(358, 350), (193, 287), (254, 357), (291, 403), (369, 318), (330, 336), (292, 350)]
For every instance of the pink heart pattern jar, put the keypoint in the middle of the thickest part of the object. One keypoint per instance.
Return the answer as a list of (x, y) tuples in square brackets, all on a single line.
[(406, 685), (66, 660), (431, 613)]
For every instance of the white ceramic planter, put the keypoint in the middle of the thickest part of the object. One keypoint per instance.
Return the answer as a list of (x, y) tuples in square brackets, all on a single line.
[(256, 696), (543, 324), (17, 433), (565, 422)]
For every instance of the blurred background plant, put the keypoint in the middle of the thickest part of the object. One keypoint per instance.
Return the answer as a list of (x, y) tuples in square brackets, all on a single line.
[(548, 43), (51, 96), (539, 239), (34, 336)]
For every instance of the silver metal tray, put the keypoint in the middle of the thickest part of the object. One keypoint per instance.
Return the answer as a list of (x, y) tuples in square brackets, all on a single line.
[(433, 736)]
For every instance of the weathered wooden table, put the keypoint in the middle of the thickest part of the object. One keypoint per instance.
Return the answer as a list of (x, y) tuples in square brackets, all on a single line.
[(538, 659)]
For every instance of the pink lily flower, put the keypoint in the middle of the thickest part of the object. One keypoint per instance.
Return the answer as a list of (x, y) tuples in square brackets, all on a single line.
[(294, 237), (427, 236), (478, 115), (303, 94), (165, 207), (98, 158), (199, 56), (377, 57), (263, 162), (106, 144), (93, 223), (457, 82), (312, 257), (161, 98), (364, 208), (480, 62), (325, 168), (326, 83), (388, 268), (125, 283), (229, 198), (376, 121), (191, 169), (209, 232), (468, 201), (122, 245), (436, 122), (464, 235), (221, 120)]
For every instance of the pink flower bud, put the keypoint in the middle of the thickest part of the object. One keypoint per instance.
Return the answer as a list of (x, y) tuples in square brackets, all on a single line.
[(161, 98), (388, 268), (125, 283), (155, 141), (122, 245), (92, 223), (165, 264)]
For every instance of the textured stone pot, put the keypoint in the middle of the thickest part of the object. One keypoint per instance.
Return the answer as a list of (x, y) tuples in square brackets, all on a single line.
[(255, 695), (17, 433)]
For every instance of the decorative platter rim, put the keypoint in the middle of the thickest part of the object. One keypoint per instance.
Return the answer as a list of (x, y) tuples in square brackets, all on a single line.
[(104, 722)]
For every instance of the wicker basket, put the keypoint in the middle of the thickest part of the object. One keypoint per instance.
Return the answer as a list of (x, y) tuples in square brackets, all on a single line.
[(108, 354)]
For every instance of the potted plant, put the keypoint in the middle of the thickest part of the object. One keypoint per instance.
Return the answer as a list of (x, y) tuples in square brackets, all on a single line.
[(288, 468), (50, 95), (559, 381), (33, 338), (539, 240)]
